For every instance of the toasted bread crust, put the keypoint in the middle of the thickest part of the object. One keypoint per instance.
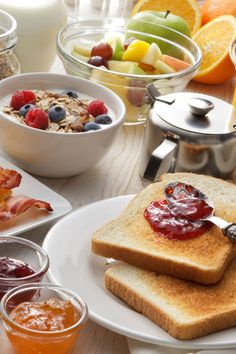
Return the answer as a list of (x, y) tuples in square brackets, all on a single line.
[(194, 323), (203, 259), (162, 265)]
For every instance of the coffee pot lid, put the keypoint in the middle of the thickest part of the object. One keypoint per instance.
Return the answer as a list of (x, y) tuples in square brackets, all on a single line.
[(195, 113)]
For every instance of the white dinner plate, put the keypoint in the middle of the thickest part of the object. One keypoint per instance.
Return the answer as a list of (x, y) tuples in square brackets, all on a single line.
[(33, 217), (74, 266)]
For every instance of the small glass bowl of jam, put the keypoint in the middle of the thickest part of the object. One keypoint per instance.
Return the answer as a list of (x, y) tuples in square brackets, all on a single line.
[(43, 318), (21, 261)]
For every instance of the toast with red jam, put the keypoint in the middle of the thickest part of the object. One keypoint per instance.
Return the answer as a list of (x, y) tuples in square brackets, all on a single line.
[(200, 257)]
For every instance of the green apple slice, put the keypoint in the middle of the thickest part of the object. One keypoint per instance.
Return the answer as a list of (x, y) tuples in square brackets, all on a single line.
[(153, 53), (118, 50), (163, 68)]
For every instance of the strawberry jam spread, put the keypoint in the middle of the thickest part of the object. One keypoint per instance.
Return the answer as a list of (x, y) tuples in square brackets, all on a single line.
[(13, 268), (179, 215)]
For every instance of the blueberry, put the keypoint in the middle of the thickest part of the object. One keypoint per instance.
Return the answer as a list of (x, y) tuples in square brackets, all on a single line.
[(70, 93), (56, 113), (25, 109), (91, 126), (103, 119)]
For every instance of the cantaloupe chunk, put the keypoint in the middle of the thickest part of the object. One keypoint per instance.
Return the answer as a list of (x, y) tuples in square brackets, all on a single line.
[(175, 63)]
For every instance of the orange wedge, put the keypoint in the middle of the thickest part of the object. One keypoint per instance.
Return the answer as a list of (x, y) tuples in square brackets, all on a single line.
[(189, 10), (214, 40)]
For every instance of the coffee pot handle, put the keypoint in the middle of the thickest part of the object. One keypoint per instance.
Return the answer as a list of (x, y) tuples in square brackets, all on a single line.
[(161, 159)]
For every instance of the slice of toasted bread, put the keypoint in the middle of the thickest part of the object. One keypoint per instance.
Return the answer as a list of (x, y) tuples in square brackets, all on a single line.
[(202, 259), (184, 309)]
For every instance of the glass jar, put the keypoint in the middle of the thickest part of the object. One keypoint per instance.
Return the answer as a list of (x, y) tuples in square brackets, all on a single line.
[(38, 22), (102, 8), (9, 64), (59, 332)]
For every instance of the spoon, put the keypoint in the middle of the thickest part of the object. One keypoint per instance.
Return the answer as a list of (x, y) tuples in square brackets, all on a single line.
[(228, 229), (190, 203)]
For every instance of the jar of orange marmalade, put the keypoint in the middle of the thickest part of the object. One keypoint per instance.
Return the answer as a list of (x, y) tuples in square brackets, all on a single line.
[(43, 318)]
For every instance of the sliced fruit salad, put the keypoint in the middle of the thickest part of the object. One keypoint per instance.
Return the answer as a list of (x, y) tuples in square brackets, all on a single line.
[(131, 56)]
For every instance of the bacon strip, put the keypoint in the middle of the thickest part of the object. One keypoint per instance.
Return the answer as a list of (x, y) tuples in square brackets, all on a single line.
[(9, 178), (16, 205)]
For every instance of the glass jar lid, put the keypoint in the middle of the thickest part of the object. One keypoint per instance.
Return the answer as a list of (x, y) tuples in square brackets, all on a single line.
[(195, 113), (8, 27)]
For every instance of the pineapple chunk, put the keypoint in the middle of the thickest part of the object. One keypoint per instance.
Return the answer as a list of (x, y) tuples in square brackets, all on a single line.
[(136, 51)]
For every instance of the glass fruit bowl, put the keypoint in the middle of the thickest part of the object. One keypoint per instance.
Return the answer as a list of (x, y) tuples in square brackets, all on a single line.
[(130, 85)]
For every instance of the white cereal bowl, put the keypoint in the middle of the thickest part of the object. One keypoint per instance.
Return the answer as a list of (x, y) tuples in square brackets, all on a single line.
[(53, 154)]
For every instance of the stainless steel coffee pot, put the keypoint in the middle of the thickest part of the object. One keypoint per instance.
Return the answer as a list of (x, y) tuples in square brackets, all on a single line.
[(189, 132)]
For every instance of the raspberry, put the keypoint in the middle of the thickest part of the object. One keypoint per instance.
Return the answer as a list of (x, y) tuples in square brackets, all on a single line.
[(37, 118), (21, 98), (96, 107)]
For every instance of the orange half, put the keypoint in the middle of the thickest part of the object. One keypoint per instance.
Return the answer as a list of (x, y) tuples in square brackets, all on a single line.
[(214, 40)]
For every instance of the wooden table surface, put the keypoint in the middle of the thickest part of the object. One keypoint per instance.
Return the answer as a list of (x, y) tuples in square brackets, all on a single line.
[(117, 174)]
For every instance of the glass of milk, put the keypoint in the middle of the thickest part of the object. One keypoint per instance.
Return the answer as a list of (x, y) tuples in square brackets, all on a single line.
[(38, 22)]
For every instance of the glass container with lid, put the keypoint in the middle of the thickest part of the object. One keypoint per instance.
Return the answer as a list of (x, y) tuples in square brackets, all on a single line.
[(9, 64), (189, 132)]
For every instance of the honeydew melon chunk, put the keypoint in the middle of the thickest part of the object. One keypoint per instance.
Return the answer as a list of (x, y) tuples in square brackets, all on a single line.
[(153, 53), (163, 68), (82, 50), (112, 38), (79, 56), (136, 70), (126, 67)]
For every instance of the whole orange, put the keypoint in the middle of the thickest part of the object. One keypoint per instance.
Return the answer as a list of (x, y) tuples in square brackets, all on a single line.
[(214, 8)]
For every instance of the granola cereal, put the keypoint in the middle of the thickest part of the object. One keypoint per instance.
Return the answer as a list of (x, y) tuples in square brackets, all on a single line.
[(6, 67), (76, 113)]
